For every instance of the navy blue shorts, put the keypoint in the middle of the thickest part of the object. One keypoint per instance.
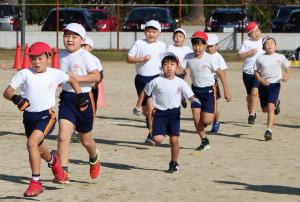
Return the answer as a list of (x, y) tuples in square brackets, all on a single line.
[(218, 93), (68, 109), (140, 83), (268, 94), (166, 122), (250, 82), (207, 97), (43, 121)]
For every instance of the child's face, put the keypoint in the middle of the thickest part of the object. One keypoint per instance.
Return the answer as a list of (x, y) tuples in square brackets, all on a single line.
[(211, 49), (40, 62), (151, 34), (169, 68), (87, 47), (255, 35), (270, 46), (72, 41), (178, 39), (199, 48)]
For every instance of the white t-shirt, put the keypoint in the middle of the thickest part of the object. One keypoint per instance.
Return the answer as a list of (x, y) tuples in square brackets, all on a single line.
[(202, 69), (180, 52), (142, 48), (80, 63), (270, 66), (166, 93), (248, 45), (98, 62), (39, 88), (219, 61)]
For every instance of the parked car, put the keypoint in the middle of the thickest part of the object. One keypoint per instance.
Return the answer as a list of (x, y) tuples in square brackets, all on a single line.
[(281, 17), (103, 20), (69, 15), (137, 18), (227, 20), (9, 18), (293, 22)]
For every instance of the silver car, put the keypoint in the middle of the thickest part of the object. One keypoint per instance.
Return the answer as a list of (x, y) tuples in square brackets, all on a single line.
[(9, 18)]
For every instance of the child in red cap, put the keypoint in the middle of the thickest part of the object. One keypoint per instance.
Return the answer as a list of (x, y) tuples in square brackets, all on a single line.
[(37, 86)]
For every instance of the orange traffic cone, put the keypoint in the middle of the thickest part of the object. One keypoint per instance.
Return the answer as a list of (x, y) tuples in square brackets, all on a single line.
[(26, 60), (101, 99), (55, 59), (18, 58)]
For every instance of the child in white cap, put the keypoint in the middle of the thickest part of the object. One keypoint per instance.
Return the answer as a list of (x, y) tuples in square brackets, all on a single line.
[(212, 49), (145, 54)]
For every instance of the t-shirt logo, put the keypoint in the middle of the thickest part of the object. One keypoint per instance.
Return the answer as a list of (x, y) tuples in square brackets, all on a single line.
[(76, 66), (50, 85), (277, 61)]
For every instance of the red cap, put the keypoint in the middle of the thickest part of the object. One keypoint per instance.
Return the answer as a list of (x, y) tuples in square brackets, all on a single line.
[(251, 27), (201, 35), (39, 48)]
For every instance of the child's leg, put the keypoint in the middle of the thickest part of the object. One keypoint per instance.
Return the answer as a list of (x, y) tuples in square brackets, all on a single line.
[(254, 101), (174, 143), (65, 131), (271, 114), (158, 139)]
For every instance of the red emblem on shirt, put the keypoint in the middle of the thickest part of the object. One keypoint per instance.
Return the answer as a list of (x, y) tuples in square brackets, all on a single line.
[(76, 66), (277, 61)]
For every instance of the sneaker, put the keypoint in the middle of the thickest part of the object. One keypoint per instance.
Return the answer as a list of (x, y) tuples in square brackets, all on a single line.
[(268, 135), (56, 168), (204, 145), (215, 127), (150, 140), (277, 109), (173, 167), (34, 189), (75, 138), (183, 103), (95, 167), (65, 180), (251, 119), (137, 111)]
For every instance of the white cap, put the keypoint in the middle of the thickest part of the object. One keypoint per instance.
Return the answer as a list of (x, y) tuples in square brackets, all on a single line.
[(76, 28), (212, 39), (165, 54), (180, 30), (153, 23), (89, 41)]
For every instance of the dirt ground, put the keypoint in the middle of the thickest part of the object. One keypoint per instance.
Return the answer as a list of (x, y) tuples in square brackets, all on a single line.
[(240, 166)]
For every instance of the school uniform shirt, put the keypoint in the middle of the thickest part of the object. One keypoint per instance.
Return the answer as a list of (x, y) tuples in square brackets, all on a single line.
[(249, 62), (142, 48), (219, 61), (270, 66), (39, 88), (80, 63), (202, 69), (166, 93), (180, 52), (98, 62)]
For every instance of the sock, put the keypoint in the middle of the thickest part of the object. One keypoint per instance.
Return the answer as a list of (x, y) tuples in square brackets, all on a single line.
[(93, 160), (269, 129), (36, 177), (52, 160), (216, 122), (65, 168), (204, 139)]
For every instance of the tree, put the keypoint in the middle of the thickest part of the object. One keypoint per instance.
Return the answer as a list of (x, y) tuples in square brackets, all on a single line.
[(196, 14)]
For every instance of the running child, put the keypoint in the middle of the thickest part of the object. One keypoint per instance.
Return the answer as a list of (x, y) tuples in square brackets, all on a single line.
[(250, 50), (79, 63), (212, 47), (166, 92), (202, 70), (37, 86), (180, 50), (145, 54), (268, 71)]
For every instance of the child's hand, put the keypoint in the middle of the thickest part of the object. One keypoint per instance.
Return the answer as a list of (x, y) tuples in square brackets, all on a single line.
[(252, 52), (264, 82), (285, 78), (227, 96), (146, 58)]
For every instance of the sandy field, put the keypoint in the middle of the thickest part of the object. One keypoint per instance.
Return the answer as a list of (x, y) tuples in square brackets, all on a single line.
[(240, 166)]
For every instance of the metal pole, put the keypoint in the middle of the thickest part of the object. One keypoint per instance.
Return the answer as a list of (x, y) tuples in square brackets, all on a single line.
[(243, 11), (180, 12), (23, 23), (118, 26), (57, 22)]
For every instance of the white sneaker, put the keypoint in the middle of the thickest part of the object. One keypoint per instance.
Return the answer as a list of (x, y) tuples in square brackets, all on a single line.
[(137, 111)]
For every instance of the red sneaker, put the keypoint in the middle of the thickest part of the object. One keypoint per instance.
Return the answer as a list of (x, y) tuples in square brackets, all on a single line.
[(65, 180), (95, 168), (34, 189), (57, 170)]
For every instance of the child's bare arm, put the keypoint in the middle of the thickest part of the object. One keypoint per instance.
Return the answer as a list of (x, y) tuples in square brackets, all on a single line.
[(133, 60), (247, 54), (221, 75), (259, 79), (286, 75), (93, 76), (18, 100), (8, 93), (75, 84)]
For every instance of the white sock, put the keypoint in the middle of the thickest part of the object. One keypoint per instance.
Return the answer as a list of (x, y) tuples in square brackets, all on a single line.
[(51, 160), (36, 178), (269, 129)]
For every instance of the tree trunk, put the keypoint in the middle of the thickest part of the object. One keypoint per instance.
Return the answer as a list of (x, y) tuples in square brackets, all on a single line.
[(196, 14)]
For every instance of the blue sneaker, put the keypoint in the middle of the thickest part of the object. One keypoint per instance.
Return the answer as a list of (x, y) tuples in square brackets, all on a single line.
[(215, 127)]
